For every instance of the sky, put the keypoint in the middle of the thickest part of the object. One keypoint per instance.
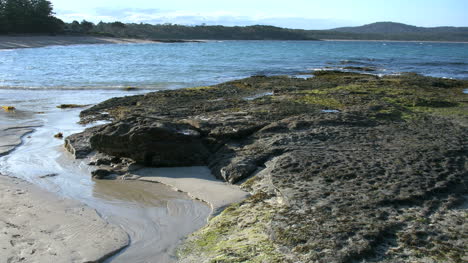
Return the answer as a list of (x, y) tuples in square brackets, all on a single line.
[(305, 14)]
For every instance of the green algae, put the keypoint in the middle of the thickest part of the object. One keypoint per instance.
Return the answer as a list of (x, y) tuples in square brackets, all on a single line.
[(200, 88), (238, 234), (321, 101)]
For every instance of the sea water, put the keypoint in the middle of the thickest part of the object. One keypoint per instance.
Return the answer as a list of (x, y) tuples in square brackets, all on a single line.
[(175, 65)]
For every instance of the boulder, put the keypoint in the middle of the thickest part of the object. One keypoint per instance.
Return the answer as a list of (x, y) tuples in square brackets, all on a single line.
[(78, 144), (154, 144)]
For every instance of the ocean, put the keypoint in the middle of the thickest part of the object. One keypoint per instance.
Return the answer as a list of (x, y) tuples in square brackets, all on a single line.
[(169, 66)]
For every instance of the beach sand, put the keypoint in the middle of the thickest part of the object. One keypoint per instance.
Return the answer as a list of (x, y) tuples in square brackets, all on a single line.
[(14, 42), (37, 226), (197, 182)]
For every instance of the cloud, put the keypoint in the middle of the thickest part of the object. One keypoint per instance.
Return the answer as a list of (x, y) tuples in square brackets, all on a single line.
[(184, 17)]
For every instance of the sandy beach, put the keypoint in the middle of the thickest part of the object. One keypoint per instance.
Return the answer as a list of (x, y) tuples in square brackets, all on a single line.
[(13, 42), (37, 226)]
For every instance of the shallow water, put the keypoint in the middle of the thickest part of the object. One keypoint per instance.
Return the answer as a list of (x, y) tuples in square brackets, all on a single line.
[(162, 66), (155, 216)]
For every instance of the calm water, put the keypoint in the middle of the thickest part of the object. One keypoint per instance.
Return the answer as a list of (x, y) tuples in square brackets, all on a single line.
[(160, 66)]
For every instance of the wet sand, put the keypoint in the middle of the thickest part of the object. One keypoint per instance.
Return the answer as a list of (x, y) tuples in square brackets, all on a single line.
[(198, 182), (13, 42), (37, 226), (11, 136), (155, 217)]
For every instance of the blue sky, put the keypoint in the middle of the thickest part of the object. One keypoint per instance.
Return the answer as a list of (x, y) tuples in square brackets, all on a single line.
[(306, 14)]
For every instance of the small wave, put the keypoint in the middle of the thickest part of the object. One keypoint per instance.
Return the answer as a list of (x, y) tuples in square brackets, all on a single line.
[(62, 88), (323, 69), (360, 61), (162, 86)]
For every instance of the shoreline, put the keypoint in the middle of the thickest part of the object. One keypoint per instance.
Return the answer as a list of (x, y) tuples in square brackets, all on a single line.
[(405, 41), (17, 42)]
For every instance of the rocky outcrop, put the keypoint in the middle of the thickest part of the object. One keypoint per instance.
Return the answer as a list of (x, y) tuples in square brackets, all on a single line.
[(155, 143), (343, 167), (78, 144)]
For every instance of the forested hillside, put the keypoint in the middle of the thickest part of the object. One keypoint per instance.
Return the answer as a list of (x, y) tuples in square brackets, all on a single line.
[(28, 16)]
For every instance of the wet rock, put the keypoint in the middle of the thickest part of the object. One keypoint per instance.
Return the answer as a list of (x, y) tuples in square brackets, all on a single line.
[(48, 175), (130, 88), (71, 106), (102, 174), (59, 135), (8, 108), (134, 167), (78, 144), (238, 170), (156, 144)]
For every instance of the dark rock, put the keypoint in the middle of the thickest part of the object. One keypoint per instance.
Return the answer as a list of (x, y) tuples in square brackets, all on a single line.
[(102, 174), (78, 144), (48, 175), (130, 88), (157, 144), (238, 170), (71, 106)]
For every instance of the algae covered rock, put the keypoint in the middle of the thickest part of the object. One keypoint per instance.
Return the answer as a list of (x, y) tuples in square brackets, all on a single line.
[(342, 167)]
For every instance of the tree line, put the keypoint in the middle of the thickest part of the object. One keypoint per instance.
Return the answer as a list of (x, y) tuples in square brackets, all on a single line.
[(257, 32), (175, 32), (28, 16)]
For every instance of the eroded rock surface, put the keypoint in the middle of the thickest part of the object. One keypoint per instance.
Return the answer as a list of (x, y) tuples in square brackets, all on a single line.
[(343, 167)]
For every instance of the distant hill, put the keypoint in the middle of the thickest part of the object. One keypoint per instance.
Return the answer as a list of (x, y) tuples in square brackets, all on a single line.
[(375, 31), (392, 31), (398, 28)]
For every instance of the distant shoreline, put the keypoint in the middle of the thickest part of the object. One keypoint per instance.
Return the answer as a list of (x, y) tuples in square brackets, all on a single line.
[(383, 40), (15, 42)]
